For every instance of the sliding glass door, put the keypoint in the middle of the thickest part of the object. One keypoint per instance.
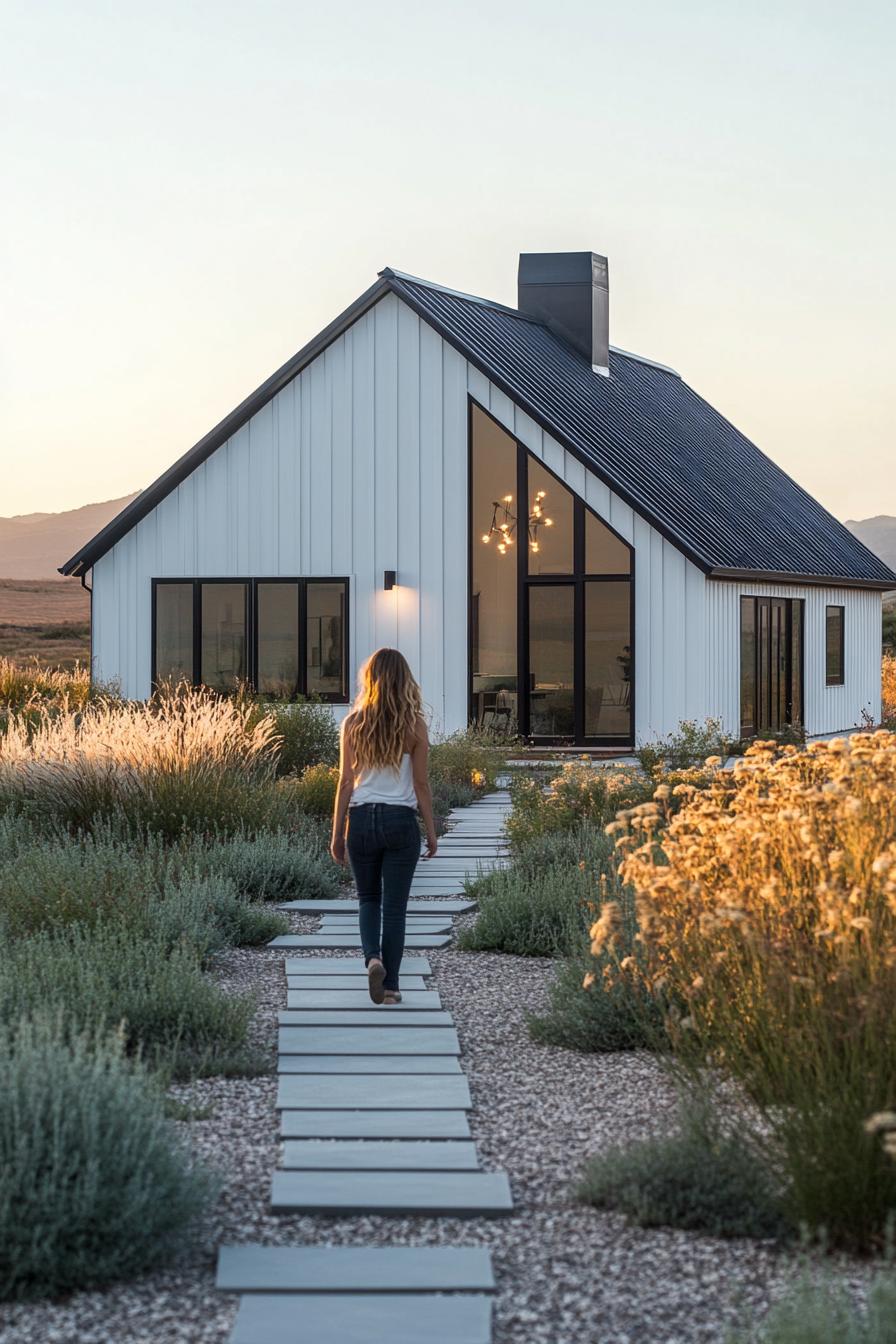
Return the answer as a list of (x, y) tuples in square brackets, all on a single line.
[(771, 664)]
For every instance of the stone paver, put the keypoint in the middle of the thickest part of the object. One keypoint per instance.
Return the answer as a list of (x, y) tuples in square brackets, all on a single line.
[(453, 1194), (349, 966), (397, 1040), (334, 940), (355, 982), (423, 1092), (379, 1065), (360, 1269), (334, 999), (374, 1125), (378, 1155), (448, 907), (363, 1318), (365, 1016)]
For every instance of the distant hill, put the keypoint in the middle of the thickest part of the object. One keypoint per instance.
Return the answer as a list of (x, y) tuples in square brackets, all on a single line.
[(878, 534), (34, 545)]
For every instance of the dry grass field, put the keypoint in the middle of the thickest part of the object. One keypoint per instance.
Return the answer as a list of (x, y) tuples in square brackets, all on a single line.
[(48, 619)]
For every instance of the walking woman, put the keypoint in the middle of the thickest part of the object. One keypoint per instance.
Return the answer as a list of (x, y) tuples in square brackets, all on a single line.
[(383, 780)]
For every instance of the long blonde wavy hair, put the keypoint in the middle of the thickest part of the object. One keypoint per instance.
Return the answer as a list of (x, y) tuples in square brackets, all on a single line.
[(386, 710)]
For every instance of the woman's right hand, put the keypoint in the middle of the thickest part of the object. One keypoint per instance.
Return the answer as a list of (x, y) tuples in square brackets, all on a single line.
[(337, 849), (432, 844)]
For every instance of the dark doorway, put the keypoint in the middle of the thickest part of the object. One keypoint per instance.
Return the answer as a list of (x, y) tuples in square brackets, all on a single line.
[(771, 664)]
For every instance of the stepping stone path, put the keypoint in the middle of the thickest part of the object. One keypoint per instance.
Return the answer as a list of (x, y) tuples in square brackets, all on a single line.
[(373, 1117)]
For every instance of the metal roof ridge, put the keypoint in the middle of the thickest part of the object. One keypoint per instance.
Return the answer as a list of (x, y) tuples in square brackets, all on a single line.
[(390, 272)]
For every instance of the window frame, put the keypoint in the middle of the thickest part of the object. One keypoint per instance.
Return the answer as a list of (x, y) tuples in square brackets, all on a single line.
[(578, 577), (839, 677), (795, 693), (340, 697)]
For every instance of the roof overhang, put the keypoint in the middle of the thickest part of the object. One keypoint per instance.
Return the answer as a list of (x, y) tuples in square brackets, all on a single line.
[(806, 580)]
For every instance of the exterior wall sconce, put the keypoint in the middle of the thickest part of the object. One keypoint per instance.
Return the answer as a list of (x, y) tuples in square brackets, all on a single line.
[(389, 580)]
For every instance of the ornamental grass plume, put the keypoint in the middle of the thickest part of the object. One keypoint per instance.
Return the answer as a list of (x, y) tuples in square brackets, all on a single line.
[(767, 907), (185, 757)]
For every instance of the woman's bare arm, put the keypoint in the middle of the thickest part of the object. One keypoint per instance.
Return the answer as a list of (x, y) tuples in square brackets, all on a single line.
[(420, 767), (343, 794)]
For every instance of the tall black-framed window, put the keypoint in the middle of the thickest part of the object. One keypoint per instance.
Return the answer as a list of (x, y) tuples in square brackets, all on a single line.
[(834, 646), (551, 620), (771, 664), (285, 637)]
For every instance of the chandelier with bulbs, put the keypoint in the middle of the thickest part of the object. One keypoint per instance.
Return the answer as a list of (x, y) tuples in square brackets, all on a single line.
[(504, 523)]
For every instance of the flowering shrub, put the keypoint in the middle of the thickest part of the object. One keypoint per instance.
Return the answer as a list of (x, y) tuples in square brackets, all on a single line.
[(888, 691), (767, 909), (579, 793)]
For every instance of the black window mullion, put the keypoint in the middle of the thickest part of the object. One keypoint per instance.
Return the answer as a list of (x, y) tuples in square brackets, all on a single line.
[(197, 631), (578, 648), (522, 592), (303, 637)]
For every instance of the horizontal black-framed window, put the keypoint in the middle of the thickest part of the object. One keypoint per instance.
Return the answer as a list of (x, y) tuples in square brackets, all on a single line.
[(834, 659), (285, 637)]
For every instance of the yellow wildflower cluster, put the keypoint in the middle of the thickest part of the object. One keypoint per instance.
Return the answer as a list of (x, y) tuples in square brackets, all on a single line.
[(778, 879), (888, 690)]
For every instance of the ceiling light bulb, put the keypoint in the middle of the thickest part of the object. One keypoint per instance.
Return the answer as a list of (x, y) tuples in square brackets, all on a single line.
[(502, 548), (549, 522), (486, 537), (508, 499), (535, 545)]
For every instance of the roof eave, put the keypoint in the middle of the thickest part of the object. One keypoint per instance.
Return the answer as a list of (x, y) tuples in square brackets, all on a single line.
[(809, 580)]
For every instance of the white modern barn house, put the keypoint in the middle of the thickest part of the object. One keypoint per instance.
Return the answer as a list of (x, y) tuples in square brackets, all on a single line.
[(564, 539)]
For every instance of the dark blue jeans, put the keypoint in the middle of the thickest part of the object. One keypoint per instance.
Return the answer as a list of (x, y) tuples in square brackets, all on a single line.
[(383, 848)]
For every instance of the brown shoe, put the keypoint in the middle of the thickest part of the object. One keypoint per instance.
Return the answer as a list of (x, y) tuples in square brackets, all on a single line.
[(376, 974)]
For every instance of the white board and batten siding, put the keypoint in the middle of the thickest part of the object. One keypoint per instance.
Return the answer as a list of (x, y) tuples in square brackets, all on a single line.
[(360, 465)]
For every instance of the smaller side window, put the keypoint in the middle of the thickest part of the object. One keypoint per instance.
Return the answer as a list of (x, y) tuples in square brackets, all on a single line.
[(833, 645)]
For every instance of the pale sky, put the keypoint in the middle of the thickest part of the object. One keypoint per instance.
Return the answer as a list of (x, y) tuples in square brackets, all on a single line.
[(193, 189)]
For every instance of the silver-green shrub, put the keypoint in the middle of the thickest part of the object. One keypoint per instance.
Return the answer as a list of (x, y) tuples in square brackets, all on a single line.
[(94, 1184), (174, 1015), (278, 866)]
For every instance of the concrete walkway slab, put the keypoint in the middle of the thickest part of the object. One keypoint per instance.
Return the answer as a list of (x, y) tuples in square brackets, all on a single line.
[(378, 1155), (351, 940), (437, 1194), (371, 1016), (349, 966), (355, 982), (345, 1318), (336, 999), (393, 1040), (421, 1092), (358, 1269), (374, 1125), (362, 1066), (452, 907)]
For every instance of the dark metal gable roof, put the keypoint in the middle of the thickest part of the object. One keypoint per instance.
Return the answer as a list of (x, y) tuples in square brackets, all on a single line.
[(657, 444), (648, 435)]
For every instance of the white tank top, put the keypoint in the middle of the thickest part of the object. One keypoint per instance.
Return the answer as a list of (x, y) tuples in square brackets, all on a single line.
[(385, 784)]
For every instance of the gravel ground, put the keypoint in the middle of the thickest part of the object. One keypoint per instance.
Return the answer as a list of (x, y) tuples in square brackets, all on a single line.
[(567, 1274)]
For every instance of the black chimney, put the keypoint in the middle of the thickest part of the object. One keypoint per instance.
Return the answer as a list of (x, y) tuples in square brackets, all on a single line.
[(569, 292)]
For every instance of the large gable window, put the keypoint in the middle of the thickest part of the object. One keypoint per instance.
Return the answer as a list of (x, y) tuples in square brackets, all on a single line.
[(551, 622), (284, 637)]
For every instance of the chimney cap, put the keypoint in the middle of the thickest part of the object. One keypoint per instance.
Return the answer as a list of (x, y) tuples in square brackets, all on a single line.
[(562, 268)]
